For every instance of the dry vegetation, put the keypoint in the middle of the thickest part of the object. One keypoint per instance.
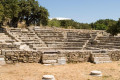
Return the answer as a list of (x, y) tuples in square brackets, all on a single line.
[(79, 71)]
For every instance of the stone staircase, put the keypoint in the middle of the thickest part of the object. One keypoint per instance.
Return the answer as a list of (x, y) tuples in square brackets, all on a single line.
[(100, 57), (53, 58), (104, 42), (26, 36), (7, 42)]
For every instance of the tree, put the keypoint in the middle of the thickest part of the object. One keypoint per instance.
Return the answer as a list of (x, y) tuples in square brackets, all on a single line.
[(42, 16), (100, 27), (1, 13), (26, 11), (23, 10), (11, 10), (32, 13), (114, 29), (103, 24), (66, 23), (54, 22)]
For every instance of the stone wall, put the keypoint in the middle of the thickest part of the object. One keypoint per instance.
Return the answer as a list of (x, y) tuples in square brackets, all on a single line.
[(85, 56), (15, 56), (114, 55), (78, 56)]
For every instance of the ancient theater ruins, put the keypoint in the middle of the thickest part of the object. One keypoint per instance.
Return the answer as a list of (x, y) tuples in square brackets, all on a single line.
[(55, 46)]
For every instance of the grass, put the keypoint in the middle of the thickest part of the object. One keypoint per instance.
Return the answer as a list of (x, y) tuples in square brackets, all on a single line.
[(78, 71)]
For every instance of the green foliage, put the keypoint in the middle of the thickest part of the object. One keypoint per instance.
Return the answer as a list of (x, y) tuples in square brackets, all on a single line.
[(23, 10), (84, 26), (103, 24), (1, 12), (100, 27), (15, 11), (111, 26), (69, 24), (114, 29), (43, 15), (11, 8), (66, 23), (54, 22)]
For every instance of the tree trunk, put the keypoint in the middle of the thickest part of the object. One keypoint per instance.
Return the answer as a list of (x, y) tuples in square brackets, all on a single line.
[(14, 22)]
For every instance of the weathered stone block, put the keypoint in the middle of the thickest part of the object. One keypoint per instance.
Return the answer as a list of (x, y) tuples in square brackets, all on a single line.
[(96, 73), (48, 77), (61, 60), (49, 61), (2, 60)]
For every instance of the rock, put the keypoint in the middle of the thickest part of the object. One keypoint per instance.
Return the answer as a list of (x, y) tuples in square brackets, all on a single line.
[(49, 61), (2, 60), (24, 47), (47, 64), (48, 77), (17, 43), (62, 60), (96, 73)]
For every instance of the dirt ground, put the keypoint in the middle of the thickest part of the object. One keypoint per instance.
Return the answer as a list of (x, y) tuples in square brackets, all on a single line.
[(79, 71)]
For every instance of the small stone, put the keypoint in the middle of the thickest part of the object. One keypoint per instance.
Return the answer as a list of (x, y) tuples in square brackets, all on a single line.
[(2, 61), (24, 47), (96, 73), (48, 77)]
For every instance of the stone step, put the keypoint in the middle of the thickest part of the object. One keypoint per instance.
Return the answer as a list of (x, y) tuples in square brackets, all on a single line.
[(100, 58), (106, 58), (49, 61), (48, 77), (53, 57), (64, 46), (56, 48), (97, 62), (65, 43)]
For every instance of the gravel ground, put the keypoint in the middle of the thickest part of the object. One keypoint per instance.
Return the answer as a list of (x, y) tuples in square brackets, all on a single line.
[(79, 71)]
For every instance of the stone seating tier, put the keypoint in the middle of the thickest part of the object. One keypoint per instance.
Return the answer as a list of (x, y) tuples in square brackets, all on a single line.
[(60, 40), (105, 47), (108, 38), (66, 38), (49, 33), (9, 46), (56, 48)]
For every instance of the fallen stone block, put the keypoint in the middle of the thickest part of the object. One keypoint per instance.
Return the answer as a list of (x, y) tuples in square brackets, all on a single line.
[(24, 47), (49, 61), (96, 73), (62, 60), (2, 60), (48, 77)]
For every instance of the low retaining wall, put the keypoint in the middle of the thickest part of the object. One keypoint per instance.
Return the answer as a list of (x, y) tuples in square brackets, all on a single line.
[(84, 56), (21, 56), (15, 56), (79, 56), (114, 55)]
